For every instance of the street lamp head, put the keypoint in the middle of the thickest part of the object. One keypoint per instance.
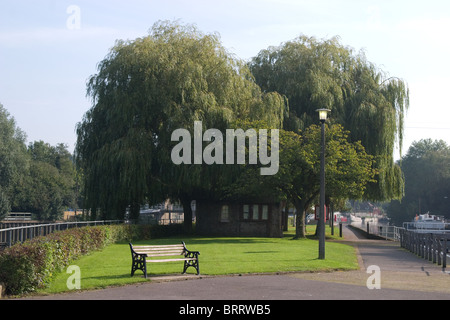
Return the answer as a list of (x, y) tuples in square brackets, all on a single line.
[(323, 114)]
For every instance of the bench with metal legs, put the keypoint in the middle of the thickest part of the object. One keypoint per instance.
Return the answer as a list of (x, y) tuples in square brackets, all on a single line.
[(141, 255)]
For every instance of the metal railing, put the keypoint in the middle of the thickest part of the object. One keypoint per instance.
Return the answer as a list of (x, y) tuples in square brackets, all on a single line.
[(389, 232), (10, 236), (381, 230), (430, 246)]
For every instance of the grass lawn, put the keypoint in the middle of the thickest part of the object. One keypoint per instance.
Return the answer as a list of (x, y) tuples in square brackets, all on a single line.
[(218, 256)]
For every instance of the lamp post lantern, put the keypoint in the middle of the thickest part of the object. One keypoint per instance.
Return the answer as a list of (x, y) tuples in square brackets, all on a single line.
[(323, 113)]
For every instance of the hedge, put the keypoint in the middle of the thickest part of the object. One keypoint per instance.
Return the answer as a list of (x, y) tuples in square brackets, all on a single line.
[(32, 265)]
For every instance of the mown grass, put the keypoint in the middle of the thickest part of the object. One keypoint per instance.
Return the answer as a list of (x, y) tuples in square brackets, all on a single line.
[(218, 256)]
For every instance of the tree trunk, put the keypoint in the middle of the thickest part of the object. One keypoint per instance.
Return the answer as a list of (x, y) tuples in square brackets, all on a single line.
[(135, 209), (285, 216), (300, 229), (186, 203)]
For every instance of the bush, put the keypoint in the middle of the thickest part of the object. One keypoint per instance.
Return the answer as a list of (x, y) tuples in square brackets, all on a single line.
[(32, 265)]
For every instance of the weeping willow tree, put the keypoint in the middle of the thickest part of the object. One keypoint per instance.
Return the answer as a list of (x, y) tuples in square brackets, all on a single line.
[(316, 74), (143, 91)]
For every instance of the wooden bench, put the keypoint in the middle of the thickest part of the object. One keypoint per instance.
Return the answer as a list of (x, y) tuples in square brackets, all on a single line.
[(142, 255)]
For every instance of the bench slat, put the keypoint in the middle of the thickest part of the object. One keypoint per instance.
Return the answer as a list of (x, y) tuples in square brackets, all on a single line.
[(168, 260), (162, 250), (164, 254), (160, 247), (157, 250), (171, 253)]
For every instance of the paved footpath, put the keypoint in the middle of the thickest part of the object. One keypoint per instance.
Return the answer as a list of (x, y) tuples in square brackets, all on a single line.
[(403, 276)]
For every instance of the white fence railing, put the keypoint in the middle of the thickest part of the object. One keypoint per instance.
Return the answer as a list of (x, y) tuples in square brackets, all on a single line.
[(429, 246), (380, 230)]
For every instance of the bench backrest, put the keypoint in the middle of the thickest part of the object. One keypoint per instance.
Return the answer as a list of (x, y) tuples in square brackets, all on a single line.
[(160, 250)]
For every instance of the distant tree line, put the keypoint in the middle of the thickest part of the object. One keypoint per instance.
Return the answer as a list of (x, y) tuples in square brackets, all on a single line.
[(426, 167), (38, 178)]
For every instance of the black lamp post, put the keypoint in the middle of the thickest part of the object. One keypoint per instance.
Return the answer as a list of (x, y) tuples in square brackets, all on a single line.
[(323, 113)]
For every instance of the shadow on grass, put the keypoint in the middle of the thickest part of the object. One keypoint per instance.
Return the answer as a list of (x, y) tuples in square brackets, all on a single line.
[(251, 252), (110, 277), (193, 240)]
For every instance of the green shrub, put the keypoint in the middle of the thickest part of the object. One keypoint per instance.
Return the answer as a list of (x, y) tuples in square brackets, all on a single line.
[(33, 264), (16, 272)]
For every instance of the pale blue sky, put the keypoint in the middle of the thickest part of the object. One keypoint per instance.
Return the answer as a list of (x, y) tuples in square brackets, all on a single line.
[(44, 64)]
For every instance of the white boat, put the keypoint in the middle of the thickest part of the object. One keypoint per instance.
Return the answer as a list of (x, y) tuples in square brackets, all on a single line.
[(426, 223)]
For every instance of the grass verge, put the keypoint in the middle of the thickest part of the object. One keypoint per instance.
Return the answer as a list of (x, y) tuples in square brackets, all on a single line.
[(218, 256)]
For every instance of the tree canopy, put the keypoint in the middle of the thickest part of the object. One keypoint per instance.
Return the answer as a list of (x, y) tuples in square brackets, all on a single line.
[(50, 185), (316, 74), (144, 90), (426, 167), (12, 160), (348, 171), (177, 77), (147, 88), (39, 178)]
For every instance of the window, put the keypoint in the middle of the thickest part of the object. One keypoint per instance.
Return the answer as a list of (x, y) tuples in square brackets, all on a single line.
[(224, 214), (265, 212), (255, 212), (246, 212)]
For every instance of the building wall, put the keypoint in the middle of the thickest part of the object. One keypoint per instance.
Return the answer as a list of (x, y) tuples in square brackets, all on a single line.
[(211, 221)]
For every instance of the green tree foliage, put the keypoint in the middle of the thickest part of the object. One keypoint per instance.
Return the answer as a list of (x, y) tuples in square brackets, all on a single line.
[(316, 74), (348, 171), (5, 206), (49, 184), (426, 167), (39, 179), (149, 87), (144, 90), (12, 159)]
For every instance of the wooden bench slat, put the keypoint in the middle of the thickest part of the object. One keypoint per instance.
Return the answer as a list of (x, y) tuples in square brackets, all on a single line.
[(168, 260), (164, 254), (159, 247), (159, 251), (156, 251), (177, 251)]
